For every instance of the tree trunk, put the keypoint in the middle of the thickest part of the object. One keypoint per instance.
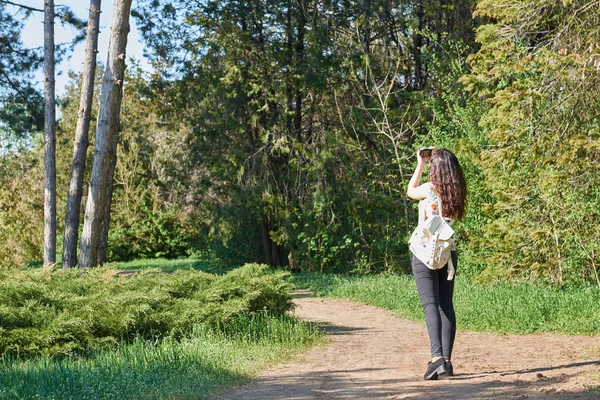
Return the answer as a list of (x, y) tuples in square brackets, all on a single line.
[(49, 137), (276, 254), (81, 139), (368, 21), (266, 241), (289, 69), (106, 135), (271, 249), (102, 250), (417, 47), (299, 53)]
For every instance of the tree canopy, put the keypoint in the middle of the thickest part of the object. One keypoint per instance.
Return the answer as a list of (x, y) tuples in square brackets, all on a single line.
[(21, 103), (284, 131)]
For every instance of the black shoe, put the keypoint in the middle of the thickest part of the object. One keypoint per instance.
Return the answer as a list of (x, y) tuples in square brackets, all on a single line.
[(435, 369), (449, 369)]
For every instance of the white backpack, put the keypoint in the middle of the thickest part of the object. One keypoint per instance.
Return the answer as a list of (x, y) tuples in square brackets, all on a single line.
[(432, 242)]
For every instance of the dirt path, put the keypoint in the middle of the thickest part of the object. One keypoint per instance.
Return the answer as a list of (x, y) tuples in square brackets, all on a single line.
[(372, 354)]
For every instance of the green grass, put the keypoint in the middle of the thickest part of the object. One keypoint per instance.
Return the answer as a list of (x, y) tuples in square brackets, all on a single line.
[(212, 266), (188, 369), (499, 308), (592, 393), (148, 335), (164, 265)]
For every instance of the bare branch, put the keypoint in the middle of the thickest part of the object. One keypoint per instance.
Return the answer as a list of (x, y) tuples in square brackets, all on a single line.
[(22, 6)]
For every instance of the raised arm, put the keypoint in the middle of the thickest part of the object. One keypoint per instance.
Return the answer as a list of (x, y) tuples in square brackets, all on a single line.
[(415, 189)]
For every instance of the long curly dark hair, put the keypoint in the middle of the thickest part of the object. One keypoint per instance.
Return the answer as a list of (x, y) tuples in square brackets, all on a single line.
[(448, 180)]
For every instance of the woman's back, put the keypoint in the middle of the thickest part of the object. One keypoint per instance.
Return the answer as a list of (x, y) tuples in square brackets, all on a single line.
[(430, 205)]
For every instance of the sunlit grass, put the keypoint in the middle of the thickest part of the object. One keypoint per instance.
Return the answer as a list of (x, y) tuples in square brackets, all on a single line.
[(500, 308), (188, 369)]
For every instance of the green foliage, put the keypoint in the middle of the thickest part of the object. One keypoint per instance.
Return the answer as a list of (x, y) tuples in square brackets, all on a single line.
[(21, 100), (60, 313), (456, 126), (21, 211), (288, 127), (21, 103), (537, 68), (500, 308), (288, 136), (152, 235), (205, 361), (151, 214), (211, 266)]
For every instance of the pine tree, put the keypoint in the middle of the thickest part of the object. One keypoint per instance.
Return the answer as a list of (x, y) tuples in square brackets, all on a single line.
[(49, 137), (98, 201), (81, 139)]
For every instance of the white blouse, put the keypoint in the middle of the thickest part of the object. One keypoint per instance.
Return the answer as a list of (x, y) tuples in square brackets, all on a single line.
[(430, 204)]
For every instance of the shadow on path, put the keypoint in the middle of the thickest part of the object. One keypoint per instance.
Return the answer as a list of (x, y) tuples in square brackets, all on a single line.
[(339, 384), (554, 367), (337, 329), (374, 355)]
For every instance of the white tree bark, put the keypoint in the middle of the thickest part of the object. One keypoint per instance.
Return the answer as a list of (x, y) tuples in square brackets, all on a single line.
[(103, 247), (49, 137), (81, 138), (106, 135)]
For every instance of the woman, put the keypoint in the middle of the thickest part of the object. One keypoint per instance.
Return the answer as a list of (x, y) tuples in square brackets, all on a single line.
[(446, 188)]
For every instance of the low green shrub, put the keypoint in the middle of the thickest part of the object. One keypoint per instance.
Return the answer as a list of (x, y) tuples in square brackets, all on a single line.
[(53, 313), (210, 265), (209, 358)]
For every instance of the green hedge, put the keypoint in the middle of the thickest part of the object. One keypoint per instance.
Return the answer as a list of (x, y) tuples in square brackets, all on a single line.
[(52, 313)]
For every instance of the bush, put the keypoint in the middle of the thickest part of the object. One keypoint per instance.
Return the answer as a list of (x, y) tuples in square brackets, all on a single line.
[(49, 312), (153, 234)]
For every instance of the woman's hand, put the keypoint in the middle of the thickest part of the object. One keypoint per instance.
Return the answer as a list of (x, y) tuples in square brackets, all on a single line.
[(415, 190), (423, 160)]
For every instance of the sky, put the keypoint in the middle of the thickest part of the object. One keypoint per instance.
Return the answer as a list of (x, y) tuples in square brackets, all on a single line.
[(33, 36)]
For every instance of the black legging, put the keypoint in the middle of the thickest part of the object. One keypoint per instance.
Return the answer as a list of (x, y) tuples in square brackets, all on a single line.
[(435, 291)]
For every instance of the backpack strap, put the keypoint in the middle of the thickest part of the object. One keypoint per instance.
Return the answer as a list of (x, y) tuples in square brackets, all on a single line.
[(451, 268)]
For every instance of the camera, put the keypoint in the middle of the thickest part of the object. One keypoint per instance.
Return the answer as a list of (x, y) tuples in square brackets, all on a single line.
[(425, 152)]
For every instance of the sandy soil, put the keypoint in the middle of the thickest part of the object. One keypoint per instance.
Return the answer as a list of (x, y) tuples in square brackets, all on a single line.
[(372, 354)]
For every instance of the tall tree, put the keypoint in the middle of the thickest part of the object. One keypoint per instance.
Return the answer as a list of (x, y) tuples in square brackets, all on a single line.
[(49, 137), (106, 136), (281, 85), (21, 103), (81, 139)]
